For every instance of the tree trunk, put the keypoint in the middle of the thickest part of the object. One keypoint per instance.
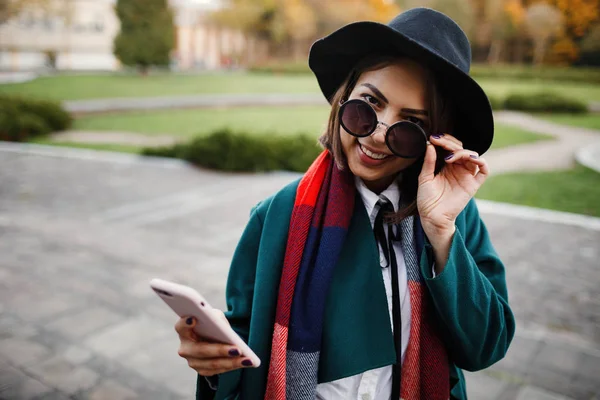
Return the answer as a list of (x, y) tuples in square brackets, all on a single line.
[(143, 70), (539, 50), (495, 51)]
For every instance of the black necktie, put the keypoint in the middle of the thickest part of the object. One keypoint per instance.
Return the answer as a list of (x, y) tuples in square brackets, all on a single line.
[(386, 242)]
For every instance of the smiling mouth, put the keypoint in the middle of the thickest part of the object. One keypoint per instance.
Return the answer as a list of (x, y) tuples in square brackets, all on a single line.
[(370, 154)]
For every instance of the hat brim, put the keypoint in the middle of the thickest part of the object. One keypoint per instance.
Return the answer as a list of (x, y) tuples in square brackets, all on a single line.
[(332, 58)]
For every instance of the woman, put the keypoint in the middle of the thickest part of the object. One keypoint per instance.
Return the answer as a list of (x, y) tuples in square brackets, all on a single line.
[(418, 292)]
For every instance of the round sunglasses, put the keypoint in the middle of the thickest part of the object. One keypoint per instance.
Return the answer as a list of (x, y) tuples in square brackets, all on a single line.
[(404, 138)]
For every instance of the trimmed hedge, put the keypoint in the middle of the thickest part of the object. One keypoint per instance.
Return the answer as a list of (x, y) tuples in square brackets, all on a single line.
[(479, 71), (23, 118), (229, 151), (544, 102), (528, 72)]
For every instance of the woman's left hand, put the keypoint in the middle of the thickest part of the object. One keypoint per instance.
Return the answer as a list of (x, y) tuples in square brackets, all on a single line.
[(441, 197)]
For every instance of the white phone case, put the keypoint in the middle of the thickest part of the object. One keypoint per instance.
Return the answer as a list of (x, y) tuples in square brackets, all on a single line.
[(186, 302)]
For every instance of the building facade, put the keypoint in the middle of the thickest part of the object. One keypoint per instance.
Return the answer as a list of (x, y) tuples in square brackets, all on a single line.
[(78, 35)]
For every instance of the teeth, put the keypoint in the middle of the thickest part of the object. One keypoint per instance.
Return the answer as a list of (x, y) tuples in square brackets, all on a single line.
[(371, 154)]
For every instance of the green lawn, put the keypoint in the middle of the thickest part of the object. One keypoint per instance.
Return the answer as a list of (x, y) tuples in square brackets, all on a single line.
[(506, 135), (188, 123), (77, 87), (591, 121), (278, 120), (74, 87), (576, 190)]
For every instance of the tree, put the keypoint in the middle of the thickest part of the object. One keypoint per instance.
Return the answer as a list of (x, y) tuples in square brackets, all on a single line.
[(146, 37), (11, 8), (293, 23), (543, 22), (505, 19), (590, 47)]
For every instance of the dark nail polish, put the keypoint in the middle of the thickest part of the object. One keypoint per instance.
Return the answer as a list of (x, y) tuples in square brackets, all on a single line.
[(473, 156), (449, 156), (234, 353), (436, 136), (247, 363), (189, 321)]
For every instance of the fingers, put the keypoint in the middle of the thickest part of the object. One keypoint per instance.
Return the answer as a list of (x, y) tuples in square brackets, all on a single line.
[(476, 165), (185, 328), (427, 172), (446, 141), (214, 366), (189, 349)]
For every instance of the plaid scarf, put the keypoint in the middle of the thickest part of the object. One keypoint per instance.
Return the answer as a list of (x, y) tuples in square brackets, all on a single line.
[(319, 223)]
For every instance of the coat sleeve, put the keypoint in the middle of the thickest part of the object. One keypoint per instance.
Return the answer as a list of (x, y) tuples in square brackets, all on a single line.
[(470, 296), (239, 293)]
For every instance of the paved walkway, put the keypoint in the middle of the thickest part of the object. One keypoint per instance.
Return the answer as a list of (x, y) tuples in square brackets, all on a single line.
[(542, 155), (537, 156), (82, 233), (193, 101), (203, 100)]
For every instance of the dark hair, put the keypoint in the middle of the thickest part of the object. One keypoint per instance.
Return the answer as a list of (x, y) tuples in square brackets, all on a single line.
[(440, 122)]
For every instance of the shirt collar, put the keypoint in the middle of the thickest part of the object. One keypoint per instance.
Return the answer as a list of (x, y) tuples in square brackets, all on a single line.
[(370, 199)]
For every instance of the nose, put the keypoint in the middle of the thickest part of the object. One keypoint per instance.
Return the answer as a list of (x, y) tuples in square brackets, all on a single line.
[(378, 135)]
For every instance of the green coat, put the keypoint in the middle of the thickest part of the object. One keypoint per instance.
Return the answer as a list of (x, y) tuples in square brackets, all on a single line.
[(470, 298)]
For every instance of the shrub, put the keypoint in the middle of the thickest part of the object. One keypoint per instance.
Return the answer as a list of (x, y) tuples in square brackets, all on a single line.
[(529, 72), (19, 126), (497, 104), (21, 118), (478, 71), (544, 102), (282, 67), (228, 151), (52, 113)]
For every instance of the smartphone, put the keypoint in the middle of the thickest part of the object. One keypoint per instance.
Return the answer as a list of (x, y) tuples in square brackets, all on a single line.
[(186, 302)]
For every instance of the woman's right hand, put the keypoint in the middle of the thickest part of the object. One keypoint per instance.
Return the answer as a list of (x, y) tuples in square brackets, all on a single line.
[(204, 357)]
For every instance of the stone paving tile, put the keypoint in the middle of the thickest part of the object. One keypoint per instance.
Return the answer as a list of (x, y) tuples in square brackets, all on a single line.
[(14, 384), (66, 377), (589, 366), (482, 386), (80, 324), (11, 326), (531, 393), (112, 390), (560, 358), (115, 371), (127, 337), (22, 352), (520, 354), (55, 395), (178, 377)]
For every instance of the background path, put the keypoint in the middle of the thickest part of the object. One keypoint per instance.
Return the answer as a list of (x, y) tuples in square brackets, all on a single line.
[(543, 155), (204, 100), (82, 233)]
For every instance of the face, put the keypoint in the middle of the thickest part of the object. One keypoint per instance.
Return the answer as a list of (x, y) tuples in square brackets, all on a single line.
[(396, 92)]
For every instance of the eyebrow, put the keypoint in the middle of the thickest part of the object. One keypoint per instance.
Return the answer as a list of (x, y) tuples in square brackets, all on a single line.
[(385, 100)]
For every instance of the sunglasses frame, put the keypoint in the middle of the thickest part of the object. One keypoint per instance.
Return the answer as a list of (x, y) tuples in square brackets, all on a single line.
[(343, 105)]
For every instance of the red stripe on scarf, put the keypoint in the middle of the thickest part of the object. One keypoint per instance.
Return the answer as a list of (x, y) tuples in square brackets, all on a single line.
[(304, 207), (426, 360)]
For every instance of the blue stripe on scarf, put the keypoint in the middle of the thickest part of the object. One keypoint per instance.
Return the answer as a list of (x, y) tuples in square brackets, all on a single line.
[(306, 322)]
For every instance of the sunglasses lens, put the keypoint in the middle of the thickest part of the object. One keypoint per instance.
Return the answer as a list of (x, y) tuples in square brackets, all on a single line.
[(358, 118), (406, 139)]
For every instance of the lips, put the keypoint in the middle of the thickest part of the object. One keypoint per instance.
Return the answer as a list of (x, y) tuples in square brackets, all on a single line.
[(368, 160), (372, 154)]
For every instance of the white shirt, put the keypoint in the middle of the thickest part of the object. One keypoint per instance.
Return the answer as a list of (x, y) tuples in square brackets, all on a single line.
[(376, 384)]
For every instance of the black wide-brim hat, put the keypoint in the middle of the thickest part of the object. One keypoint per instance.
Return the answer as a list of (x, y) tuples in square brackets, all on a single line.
[(426, 36)]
